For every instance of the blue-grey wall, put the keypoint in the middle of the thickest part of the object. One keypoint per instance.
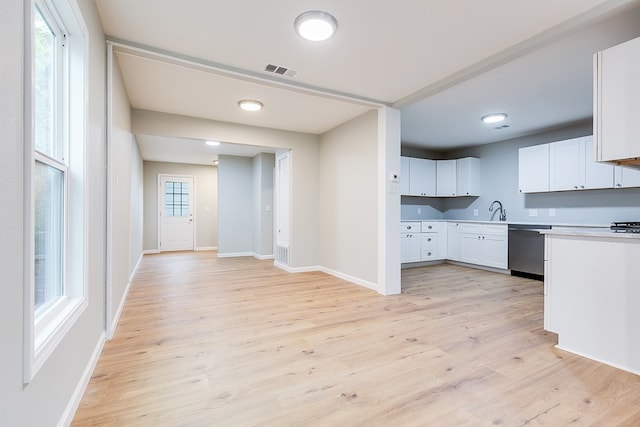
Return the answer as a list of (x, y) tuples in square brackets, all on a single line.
[(499, 181), (235, 205)]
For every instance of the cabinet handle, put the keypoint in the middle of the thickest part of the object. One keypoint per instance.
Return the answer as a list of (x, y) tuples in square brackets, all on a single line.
[(575, 186), (618, 185), (429, 239), (428, 253), (408, 227), (520, 191), (582, 186), (429, 227), (482, 237), (478, 237)]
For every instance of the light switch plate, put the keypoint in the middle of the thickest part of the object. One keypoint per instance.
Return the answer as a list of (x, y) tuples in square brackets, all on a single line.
[(552, 212), (533, 212), (475, 212)]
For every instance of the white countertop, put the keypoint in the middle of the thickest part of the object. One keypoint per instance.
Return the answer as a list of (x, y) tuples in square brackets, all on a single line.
[(600, 226), (590, 232)]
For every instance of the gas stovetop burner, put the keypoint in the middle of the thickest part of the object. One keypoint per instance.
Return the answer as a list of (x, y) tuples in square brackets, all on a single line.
[(626, 226)]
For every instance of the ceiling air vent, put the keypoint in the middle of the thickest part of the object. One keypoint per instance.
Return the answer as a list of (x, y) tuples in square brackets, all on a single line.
[(282, 71)]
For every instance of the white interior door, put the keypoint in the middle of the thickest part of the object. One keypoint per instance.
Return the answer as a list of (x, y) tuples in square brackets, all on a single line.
[(176, 221)]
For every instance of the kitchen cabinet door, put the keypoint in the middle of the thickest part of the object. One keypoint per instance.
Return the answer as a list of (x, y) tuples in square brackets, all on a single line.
[(446, 174), (467, 176), (495, 251), (471, 248), (422, 177), (617, 102), (533, 169), (410, 247), (596, 175), (453, 241), (565, 165), (626, 177)]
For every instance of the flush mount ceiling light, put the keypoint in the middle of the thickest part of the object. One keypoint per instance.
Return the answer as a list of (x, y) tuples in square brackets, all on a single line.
[(250, 105), (493, 118), (315, 25), (212, 143)]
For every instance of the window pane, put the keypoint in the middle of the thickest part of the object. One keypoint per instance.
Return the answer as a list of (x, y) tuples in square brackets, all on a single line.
[(176, 199), (45, 86), (49, 228)]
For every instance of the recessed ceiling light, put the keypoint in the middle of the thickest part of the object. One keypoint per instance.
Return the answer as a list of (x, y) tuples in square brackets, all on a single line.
[(212, 143), (493, 118), (315, 25), (250, 105)]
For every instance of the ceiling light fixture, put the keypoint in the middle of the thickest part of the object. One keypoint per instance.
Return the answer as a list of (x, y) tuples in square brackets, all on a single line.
[(493, 118), (250, 105), (212, 143), (315, 25)]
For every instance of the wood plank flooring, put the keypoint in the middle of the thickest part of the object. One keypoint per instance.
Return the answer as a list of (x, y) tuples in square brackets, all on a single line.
[(236, 342)]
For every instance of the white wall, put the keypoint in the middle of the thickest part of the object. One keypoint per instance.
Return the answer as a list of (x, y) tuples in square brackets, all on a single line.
[(263, 182), (235, 205), (304, 162), (125, 196), (348, 198), (206, 208), (44, 401)]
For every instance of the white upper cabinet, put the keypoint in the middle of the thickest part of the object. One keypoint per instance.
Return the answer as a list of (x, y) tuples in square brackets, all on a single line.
[(439, 178), (533, 169), (571, 166), (446, 178), (467, 174), (596, 175), (418, 177), (626, 177), (564, 165), (617, 103)]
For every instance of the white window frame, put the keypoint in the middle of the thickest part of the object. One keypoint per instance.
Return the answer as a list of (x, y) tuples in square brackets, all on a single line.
[(46, 327)]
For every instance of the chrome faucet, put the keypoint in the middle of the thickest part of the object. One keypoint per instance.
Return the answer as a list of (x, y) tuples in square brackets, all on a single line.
[(503, 212)]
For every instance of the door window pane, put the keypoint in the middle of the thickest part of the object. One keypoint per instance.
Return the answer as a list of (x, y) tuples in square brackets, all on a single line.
[(176, 199), (49, 242)]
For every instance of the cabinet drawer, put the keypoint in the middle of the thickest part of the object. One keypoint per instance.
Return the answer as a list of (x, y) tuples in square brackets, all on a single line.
[(431, 226), (470, 228), (429, 254), (430, 241), (495, 230), (410, 226)]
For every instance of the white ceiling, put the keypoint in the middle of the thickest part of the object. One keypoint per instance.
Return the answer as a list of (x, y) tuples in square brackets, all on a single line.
[(442, 63)]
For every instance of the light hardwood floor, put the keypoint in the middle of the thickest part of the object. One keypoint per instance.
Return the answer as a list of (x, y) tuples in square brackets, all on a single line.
[(236, 342)]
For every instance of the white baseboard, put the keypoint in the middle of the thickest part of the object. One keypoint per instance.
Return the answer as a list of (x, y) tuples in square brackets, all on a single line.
[(352, 279), (206, 248), (334, 273), (135, 269), (263, 257), (150, 252), (234, 255), (116, 317), (76, 397)]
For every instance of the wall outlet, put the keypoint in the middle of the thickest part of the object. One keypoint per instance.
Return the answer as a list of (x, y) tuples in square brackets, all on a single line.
[(475, 212), (552, 212), (533, 212), (419, 211)]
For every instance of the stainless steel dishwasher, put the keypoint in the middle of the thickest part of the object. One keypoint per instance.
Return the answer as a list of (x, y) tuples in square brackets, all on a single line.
[(526, 250)]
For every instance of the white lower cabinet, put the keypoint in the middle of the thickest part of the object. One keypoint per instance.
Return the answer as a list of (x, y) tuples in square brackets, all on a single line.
[(410, 247), (453, 241), (469, 242), (484, 244)]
